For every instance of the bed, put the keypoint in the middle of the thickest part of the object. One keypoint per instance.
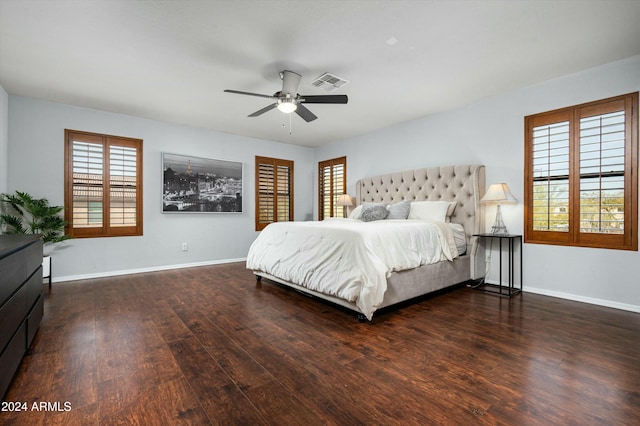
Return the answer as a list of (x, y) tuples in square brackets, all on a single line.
[(381, 286)]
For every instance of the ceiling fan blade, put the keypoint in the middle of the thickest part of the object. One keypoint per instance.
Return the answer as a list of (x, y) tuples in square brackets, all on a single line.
[(249, 94), (290, 82), (324, 99), (263, 110), (306, 115)]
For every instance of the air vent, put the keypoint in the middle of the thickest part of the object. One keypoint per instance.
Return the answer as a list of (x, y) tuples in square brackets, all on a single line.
[(329, 82)]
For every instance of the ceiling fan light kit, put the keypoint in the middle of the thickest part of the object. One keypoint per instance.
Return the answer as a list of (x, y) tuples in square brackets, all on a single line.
[(287, 105), (288, 100)]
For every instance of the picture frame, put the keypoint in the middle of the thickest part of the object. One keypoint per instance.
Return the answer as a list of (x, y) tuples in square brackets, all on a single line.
[(201, 185)]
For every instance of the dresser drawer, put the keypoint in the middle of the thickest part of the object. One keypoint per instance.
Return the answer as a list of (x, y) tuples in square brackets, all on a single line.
[(33, 255), (34, 287), (33, 320), (11, 358), (13, 272), (12, 314)]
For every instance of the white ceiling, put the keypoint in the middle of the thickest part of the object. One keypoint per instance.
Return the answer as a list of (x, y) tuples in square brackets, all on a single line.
[(171, 60)]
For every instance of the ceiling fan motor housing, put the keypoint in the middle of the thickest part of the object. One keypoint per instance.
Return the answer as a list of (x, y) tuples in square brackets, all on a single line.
[(290, 83)]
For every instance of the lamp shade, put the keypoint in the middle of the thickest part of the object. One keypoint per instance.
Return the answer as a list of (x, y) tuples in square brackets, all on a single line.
[(498, 193), (344, 200)]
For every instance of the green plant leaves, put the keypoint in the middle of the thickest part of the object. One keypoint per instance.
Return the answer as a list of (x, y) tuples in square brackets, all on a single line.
[(29, 215)]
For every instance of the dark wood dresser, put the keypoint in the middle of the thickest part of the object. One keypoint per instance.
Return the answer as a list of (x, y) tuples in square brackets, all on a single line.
[(21, 300)]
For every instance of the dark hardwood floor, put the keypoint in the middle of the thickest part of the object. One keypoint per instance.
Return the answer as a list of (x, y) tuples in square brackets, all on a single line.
[(207, 346)]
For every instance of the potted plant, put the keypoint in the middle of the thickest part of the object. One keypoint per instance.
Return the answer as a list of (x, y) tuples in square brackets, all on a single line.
[(29, 215)]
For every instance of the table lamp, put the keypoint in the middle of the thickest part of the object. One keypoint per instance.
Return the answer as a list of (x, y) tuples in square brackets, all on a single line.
[(344, 201), (499, 194)]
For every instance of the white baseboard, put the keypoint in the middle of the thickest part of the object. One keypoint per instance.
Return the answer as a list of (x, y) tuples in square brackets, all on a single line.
[(578, 298), (142, 270), (584, 299)]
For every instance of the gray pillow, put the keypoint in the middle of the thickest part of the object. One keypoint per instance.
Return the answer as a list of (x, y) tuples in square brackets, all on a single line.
[(371, 212), (399, 210), (367, 204)]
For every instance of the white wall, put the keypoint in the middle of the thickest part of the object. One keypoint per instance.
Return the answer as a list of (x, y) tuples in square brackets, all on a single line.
[(491, 132), (36, 151), (4, 136)]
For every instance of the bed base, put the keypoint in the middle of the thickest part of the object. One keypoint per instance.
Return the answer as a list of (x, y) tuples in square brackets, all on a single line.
[(301, 289), (338, 303), (402, 286)]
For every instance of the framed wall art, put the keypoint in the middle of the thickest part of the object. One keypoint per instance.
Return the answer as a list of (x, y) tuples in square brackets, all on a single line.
[(200, 185)]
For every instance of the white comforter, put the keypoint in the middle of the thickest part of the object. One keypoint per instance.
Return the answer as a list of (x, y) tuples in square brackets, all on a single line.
[(349, 258)]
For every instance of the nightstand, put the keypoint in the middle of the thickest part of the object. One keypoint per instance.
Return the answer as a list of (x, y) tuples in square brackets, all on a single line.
[(509, 289)]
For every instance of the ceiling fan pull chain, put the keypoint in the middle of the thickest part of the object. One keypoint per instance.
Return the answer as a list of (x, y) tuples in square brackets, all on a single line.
[(289, 124)]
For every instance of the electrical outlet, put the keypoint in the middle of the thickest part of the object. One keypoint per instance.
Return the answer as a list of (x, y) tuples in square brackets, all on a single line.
[(184, 247)]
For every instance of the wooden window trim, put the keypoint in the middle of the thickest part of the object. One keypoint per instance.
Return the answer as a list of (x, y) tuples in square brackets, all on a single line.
[(321, 166), (275, 162), (105, 230), (628, 240)]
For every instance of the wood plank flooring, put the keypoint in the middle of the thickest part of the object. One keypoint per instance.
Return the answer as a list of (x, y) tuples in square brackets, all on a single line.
[(208, 346)]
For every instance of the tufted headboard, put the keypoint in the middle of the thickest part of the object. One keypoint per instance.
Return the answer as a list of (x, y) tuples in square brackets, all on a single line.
[(464, 184)]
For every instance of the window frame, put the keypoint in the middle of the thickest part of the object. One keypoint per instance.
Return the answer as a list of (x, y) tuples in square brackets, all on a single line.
[(275, 162), (628, 239), (106, 230), (332, 196)]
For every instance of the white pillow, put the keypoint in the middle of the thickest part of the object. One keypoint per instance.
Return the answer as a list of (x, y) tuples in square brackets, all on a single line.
[(433, 211), (356, 213)]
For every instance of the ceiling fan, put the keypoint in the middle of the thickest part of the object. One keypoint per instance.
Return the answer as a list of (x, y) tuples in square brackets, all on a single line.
[(288, 100)]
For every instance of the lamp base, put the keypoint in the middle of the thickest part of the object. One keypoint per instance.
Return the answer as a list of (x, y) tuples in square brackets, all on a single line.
[(499, 228)]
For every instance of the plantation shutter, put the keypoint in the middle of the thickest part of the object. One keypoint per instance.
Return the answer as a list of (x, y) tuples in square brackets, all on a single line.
[(283, 186), (331, 184), (103, 191), (88, 183), (274, 191), (602, 173), (551, 177), (581, 175), (122, 185)]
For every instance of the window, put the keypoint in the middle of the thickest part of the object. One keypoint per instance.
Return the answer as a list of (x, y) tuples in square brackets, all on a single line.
[(332, 182), (103, 185), (581, 175), (274, 191)]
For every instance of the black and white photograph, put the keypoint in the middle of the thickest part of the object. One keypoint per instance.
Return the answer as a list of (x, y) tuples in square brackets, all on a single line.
[(200, 185)]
